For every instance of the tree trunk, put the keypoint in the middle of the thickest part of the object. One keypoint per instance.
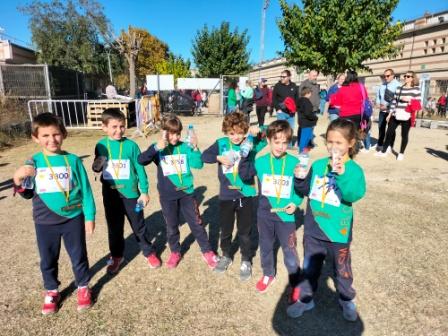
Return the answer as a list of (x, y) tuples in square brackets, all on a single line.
[(131, 61)]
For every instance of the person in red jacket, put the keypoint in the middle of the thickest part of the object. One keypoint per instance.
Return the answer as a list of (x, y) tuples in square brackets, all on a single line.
[(349, 98)]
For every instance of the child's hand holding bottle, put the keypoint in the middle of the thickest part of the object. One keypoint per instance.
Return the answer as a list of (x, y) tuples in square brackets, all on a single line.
[(337, 162), (22, 173)]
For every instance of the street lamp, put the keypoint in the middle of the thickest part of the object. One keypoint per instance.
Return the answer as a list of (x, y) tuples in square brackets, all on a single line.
[(108, 49)]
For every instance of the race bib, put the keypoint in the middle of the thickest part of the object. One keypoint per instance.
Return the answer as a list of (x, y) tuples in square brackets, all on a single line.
[(46, 180), (237, 157), (317, 190), (117, 167), (272, 184), (174, 164)]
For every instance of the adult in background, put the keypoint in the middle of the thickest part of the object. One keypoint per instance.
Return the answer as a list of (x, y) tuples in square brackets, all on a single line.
[(349, 98), (401, 112), (311, 83), (384, 98), (282, 90), (333, 112), (442, 104), (261, 96), (232, 101), (247, 97)]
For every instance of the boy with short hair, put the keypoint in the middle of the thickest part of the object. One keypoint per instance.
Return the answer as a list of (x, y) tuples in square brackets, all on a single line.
[(125, 186), (235, 196), (307, 119), (63, 208), (174, 160), (277, 204)]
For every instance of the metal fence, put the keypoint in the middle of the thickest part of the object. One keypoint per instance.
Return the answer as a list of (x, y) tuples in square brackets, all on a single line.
[(80, 113), (44, 81)]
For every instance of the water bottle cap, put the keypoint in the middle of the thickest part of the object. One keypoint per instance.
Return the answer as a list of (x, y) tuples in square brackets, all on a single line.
[(190, 126)]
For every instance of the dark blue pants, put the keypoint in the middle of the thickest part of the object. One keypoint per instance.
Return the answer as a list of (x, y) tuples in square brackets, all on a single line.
[(189, 207), (286, 233), (315, 251), (115, 208), (49, 244)]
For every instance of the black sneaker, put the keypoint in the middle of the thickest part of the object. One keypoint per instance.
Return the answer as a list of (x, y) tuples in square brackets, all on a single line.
[(223, 264), (245, 270)]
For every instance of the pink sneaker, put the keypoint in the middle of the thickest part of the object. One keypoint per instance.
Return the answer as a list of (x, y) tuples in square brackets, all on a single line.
[(51, 302), (210, 258), (173, 260), (264, 283), (84, 298), (113, 265), (153, 261)]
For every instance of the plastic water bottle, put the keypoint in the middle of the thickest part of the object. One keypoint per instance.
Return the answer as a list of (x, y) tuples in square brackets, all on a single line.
[(336, 156), (28, 182), (190, 132), (139, 206), (231, 155), (247, 146), (302, 166)]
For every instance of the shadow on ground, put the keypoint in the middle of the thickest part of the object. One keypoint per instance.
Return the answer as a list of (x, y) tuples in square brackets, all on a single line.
[(437, 153), (325, 319)]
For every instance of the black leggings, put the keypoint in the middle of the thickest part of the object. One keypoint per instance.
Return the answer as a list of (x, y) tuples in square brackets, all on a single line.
[(261, 111), (405, 127)]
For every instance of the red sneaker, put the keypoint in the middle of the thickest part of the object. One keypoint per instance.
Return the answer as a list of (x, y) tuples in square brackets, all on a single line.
[(210, 258), (153, 261), (264, 283), (51, 302), (173, 260), (113, 264), (294, 295), (84, 298)]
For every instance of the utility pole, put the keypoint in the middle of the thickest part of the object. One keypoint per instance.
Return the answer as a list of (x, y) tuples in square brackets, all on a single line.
[(263, 24)]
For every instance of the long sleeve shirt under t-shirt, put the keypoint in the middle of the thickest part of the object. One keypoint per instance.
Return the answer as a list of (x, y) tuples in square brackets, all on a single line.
[(174, 177), (329, 213), (61, 189), (231, 185), (121, 170)]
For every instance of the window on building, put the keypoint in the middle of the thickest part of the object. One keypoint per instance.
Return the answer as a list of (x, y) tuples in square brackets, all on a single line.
[(433, 50), (435, 41), (442, 49), (426, 43), (426, 51)]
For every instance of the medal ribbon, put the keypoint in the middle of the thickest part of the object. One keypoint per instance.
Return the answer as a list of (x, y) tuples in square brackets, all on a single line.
[(116, 170), (234, 169), (178, 169), (278, 191), (55, 177)]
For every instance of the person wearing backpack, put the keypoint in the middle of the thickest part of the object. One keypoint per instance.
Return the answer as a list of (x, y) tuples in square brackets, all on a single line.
[(384, 98), (261, 97)]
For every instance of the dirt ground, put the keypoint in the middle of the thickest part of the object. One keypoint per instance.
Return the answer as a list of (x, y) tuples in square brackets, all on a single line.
[(399, 263)]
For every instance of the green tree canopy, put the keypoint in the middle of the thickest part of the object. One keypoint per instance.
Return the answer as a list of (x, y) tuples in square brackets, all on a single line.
[(332, 35), (67, 33), (219, 51), (174, 65)]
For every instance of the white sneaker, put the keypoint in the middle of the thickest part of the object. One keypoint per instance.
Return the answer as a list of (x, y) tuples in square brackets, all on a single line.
[(363, 150), (400, 157), (298, 308), (389, 150), (373, 147), (381, 154), (349, 310)]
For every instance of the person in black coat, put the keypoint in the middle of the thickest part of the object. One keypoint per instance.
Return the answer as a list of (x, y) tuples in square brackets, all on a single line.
[(307, 119)]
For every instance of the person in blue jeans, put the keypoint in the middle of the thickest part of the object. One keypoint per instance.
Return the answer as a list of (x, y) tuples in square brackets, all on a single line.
[(283, 89), (307, 120)]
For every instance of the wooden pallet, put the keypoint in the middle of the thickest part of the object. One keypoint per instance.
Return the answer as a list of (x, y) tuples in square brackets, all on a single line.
[(94, 111)]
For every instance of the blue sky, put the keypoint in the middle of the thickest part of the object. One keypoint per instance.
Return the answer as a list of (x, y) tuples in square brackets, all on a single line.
[(177, 21)]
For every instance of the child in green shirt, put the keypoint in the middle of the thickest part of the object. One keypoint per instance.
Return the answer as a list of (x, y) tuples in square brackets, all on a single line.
[(63, 208), (125, 189), (332, 185)]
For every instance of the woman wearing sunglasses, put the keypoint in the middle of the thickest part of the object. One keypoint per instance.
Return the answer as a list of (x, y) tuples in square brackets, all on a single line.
[(406, 97)]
